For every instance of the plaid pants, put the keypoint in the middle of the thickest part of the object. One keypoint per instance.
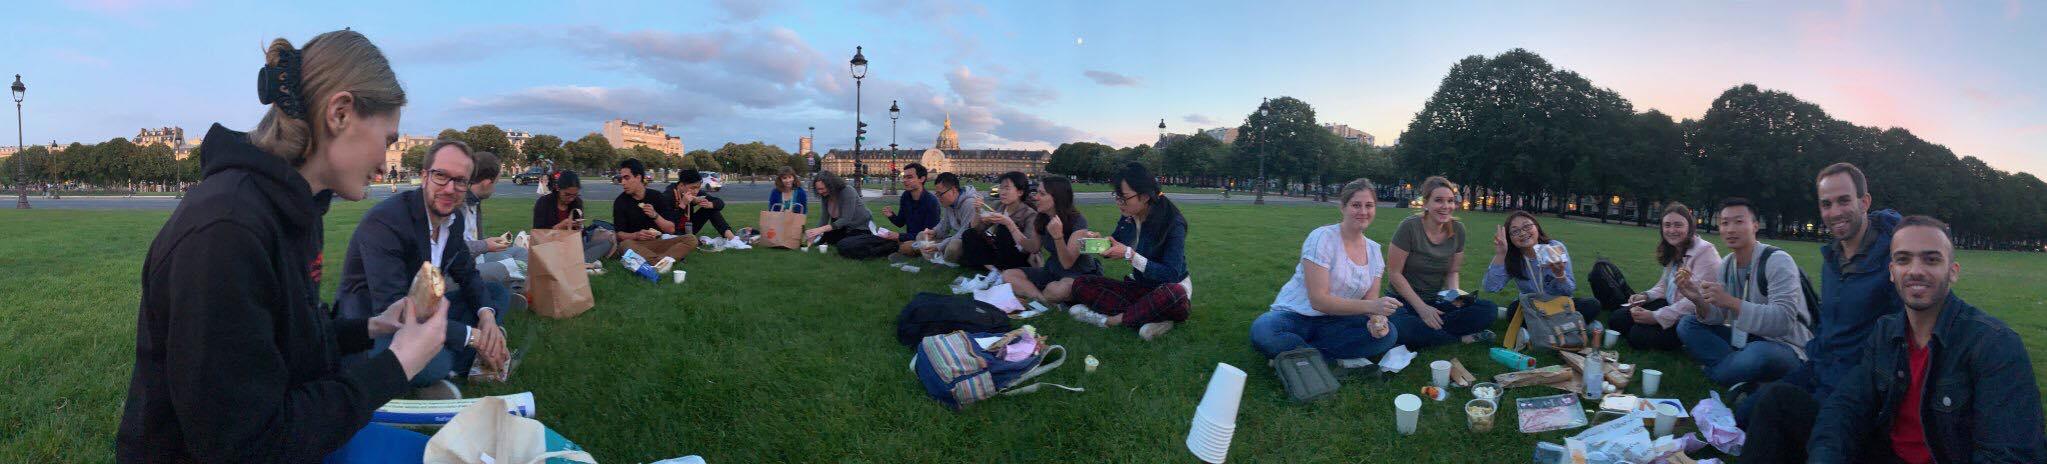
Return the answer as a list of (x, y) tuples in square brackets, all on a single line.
[(1138, 304)]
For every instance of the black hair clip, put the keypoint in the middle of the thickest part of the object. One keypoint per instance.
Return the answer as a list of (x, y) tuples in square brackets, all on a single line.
[(280, 85)]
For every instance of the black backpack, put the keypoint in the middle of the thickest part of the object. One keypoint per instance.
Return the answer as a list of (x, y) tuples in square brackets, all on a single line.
[(866, 246), (1608, 285), (930, 314), (1812, 298)]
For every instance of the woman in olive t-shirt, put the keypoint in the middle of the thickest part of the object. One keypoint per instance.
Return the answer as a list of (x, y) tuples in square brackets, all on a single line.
[(1426, 252)]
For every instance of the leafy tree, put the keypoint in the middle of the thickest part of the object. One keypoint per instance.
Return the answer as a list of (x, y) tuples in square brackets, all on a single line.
[(488, 137), (542, 146)]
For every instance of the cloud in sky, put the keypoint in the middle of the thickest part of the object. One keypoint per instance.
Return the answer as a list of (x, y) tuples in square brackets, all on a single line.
[(1200, 120), (1110, 79), (744, 77)]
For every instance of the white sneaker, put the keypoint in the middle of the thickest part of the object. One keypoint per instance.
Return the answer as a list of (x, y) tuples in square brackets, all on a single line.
[(1153, 330), (1083, 314)]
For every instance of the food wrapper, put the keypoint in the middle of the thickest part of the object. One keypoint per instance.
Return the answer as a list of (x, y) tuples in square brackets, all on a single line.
[(1615, 373), (1716, 423), (1460, 376), (427, 289), (1546, 413), (1545, 375)]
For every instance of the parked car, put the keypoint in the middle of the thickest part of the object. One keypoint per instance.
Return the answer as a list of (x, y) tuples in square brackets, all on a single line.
[(533, 175), (713, 181)]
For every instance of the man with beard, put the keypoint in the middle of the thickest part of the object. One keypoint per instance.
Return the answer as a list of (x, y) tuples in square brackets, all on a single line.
[(421, 226), (1943, 382)]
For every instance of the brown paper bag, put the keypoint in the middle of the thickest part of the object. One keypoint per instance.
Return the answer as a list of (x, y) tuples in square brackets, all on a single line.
[(555, 276), (781, 229)]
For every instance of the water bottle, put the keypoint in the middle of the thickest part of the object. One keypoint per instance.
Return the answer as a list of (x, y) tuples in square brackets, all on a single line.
[(1512, 359), (1595, 380)]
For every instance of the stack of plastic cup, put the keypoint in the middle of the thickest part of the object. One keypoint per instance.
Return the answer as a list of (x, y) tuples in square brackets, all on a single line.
[(1439, 374), (1407, 412), (1215, 420)]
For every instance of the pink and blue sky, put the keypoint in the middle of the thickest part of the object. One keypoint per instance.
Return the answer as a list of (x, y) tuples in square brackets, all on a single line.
[(1969, 75)]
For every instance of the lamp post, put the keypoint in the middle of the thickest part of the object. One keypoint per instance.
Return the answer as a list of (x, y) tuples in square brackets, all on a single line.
[(1161, 144), (20, 148), (815, 161), (894, 113), (1264, 127), (859, 128)]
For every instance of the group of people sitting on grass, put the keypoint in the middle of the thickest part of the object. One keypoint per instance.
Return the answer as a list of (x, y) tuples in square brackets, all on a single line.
[(1889, 365), (238, 357)]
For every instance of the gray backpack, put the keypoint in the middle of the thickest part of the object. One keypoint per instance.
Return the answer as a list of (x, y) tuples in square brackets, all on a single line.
[(1305, 374), (1552, 323)]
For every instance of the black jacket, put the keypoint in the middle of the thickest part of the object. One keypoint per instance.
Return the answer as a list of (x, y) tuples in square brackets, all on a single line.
[(1980, 405), (235, 358), (386, 251), (626, 214)]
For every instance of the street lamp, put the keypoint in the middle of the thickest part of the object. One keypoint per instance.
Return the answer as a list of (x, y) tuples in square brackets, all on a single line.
[(1264, 126), (815, 161), (859, 128), (20, 148), (894, 113)]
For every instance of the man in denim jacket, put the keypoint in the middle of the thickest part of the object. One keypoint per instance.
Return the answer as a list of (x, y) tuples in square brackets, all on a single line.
[(1942, 382)]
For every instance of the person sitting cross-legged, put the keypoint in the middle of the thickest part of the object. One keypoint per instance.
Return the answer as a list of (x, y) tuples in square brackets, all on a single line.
[(1333, 302), (1649, 321), (390, 245), (694, 209), (1423, 260), (1741, 332), (562, 209), (642, 215), (1152, 236), (1516, 260), (845, 213), (1058, 224)]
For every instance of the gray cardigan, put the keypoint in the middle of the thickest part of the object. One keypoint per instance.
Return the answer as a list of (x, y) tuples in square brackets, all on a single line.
[(1779, 316), (850, 210)]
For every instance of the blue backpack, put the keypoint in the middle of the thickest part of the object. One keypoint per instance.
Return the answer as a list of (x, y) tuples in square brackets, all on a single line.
[(957, 372)]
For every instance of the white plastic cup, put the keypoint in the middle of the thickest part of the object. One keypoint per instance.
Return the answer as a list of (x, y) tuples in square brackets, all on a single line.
[(1225, 391), (1612, 337), (1666, 419), (1503, 313), (1215, 419), (823, 249), (680, 275), (1439, 372), (1651, 378), (1407, 411)]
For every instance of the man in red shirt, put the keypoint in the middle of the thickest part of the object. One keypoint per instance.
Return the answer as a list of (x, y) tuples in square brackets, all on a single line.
[(1942, 382)]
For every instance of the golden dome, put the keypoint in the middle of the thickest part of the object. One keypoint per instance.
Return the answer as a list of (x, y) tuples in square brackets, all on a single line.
[(947, 139)]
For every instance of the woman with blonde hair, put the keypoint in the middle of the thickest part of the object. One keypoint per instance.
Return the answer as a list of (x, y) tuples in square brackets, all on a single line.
[(1422, 264), (235, 354)]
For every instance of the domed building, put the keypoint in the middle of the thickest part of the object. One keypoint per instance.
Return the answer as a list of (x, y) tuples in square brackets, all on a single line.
[(944, 156)]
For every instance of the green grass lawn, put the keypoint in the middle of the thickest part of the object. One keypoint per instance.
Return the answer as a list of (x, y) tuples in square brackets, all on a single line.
[(776, 356)]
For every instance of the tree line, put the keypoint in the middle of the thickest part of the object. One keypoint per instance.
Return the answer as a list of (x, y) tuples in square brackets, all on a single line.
[(113, 164), (592, 153)]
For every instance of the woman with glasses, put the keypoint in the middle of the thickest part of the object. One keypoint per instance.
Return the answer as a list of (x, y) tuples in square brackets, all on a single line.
[(1152, 236), (1539, 266), (997, 239), (562, 209)]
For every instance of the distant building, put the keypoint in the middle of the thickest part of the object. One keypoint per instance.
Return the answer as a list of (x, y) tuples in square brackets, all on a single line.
[(1349, 134), (172, 136), (394, 155), (11, 150), (1225, 134), (945, 156), (518, 139), (803, 146), (625, 135)]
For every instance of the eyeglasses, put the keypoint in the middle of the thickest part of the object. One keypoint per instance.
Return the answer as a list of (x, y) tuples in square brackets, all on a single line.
[(1524, 230), (441, 178), (1123, 198)]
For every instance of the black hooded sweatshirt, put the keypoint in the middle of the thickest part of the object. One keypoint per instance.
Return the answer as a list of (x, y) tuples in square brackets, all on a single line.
[(235, 356)]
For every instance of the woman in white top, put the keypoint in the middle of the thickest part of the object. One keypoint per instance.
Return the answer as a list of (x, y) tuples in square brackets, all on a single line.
[(1649, 321), (1333, 303)]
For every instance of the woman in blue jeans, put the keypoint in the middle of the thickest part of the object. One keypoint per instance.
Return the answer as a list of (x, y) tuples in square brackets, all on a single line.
[(1426, 252), (1330, 303)]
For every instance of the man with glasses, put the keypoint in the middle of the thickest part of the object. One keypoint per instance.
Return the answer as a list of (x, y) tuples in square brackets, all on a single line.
[(919, 210), (423, 226), (956, 204)]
